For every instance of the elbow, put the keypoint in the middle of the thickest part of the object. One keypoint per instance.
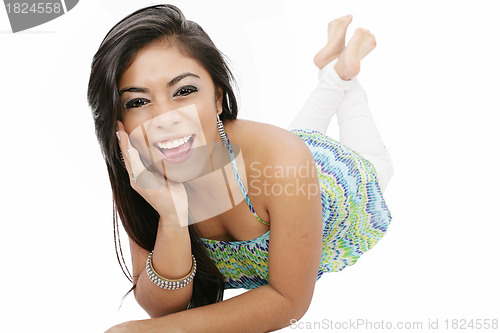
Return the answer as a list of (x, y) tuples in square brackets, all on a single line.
[(155, 308), (295, 312), (296, 308), (146, 306)]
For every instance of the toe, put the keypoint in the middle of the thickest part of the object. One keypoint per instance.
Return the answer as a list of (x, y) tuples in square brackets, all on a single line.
[(340, 21)]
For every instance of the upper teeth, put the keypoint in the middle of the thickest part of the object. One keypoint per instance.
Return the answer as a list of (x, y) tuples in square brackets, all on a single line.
[(173, 143)]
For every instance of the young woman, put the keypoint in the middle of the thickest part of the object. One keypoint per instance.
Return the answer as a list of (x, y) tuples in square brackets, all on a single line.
[(212, 202)]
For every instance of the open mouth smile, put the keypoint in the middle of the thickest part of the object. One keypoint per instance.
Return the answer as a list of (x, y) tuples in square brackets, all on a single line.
[(176, 150)]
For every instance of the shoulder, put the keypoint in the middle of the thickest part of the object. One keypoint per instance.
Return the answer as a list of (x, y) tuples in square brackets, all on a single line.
[(268, 144), (280, 167)]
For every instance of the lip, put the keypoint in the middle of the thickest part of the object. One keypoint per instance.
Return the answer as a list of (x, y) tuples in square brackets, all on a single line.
[(178, 154), (172, 137)]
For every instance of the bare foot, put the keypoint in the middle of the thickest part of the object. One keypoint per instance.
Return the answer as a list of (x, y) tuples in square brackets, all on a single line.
[(349, 63), (336, 41)]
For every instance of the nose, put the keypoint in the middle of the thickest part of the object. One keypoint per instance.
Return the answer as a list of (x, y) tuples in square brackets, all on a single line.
[(165, 116)]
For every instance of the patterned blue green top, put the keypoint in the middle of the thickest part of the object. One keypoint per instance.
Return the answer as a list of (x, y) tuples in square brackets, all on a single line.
[(355, 217)]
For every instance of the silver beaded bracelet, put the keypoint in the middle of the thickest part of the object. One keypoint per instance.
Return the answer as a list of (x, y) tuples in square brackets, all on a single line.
[(165, 283)]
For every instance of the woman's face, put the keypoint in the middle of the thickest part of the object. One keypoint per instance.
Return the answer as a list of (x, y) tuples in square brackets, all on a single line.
[(169, 109)]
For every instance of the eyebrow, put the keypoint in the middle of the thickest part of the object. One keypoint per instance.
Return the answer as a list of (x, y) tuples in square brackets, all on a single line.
[(169, 84)]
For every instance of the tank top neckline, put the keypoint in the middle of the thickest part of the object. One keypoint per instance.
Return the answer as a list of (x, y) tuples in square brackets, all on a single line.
[(216, 241)]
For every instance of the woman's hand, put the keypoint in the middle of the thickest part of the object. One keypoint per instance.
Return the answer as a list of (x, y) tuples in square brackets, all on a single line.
[(168, 198)]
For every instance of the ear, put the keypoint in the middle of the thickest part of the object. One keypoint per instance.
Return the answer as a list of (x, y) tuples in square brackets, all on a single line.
[(219, 94)]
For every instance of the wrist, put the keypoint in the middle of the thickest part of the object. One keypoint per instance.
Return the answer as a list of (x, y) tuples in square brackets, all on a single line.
[(173, 220)]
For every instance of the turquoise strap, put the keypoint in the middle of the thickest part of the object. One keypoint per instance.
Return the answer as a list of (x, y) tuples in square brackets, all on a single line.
[(240, 183)]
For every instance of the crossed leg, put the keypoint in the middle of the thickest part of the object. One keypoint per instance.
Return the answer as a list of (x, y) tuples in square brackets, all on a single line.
[(339, 92)]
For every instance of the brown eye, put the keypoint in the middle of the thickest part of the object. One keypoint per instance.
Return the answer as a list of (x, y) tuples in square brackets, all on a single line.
[(185, 91), (136, 102)]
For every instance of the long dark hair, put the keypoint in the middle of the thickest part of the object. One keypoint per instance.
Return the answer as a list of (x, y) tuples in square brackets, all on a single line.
[(115, 54)]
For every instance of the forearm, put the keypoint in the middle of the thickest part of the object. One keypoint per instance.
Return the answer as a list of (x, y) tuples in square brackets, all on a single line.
[(171, 259), (259, 310)]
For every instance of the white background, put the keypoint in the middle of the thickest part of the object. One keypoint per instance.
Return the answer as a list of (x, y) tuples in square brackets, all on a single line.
[(433, 87)]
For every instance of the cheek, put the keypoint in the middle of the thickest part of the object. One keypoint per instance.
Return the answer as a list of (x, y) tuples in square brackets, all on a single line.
[(208, 122), (132, 121), (136, 138)]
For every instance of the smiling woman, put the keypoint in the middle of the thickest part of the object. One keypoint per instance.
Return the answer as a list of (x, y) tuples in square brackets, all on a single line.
[(165, 117)]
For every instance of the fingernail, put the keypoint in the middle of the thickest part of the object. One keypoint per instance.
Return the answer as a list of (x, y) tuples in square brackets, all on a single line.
[(118, 136)]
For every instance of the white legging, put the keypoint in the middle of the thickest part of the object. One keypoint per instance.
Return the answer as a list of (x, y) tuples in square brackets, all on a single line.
[(357, 128)]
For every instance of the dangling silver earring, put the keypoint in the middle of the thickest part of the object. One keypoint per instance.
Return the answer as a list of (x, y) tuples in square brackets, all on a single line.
[(222, 132), (121, 158)]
